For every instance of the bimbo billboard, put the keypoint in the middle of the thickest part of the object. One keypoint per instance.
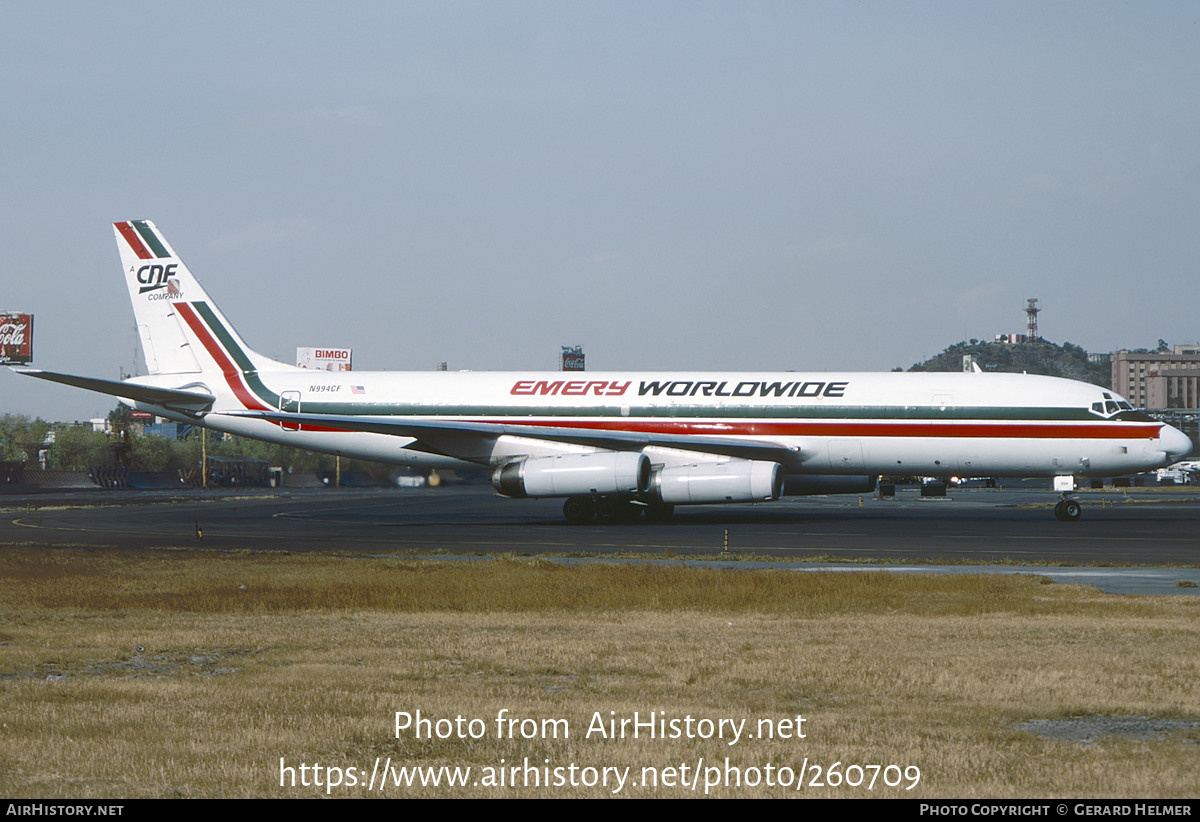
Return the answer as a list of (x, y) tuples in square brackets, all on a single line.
[(324, 359)]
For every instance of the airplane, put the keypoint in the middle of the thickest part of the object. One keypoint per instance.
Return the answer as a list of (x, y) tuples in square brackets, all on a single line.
[(616, 446), (1181, 472)]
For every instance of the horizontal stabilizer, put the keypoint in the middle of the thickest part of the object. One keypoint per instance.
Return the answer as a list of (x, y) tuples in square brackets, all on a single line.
[(172, 398)]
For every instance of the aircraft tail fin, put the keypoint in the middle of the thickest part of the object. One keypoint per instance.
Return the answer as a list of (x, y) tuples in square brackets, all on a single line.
[(180, 328)]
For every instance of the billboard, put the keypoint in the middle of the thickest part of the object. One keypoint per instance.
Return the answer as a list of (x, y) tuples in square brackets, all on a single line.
[(324, 359), (572, 358), (16, 338)]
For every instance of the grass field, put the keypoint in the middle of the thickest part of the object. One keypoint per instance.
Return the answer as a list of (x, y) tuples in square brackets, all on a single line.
[(203, 674)]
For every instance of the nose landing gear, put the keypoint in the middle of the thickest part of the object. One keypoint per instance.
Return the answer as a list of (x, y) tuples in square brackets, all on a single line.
[(1067, 510)]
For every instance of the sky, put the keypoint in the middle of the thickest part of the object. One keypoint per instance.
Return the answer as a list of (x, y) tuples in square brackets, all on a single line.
[(692, 185)]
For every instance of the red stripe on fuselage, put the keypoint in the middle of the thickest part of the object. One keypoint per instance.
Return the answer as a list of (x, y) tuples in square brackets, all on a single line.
[(1007, 430), (135, 242), (230, 371)]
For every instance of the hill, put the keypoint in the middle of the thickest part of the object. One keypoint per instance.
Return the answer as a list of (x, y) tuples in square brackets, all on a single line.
[(1064, 360)]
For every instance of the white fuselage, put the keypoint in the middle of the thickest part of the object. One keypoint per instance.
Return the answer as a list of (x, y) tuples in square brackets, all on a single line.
[(936, 424)]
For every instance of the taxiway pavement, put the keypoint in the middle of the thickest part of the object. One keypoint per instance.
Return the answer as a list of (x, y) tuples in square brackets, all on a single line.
[(1152, 526)]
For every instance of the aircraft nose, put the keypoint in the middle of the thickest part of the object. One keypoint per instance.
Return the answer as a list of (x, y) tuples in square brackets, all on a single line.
[(1175, 443)]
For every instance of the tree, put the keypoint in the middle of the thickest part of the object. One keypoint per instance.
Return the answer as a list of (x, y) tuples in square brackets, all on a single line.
[(122, 438), (1068, 361), (120, 417), (161, 454), (21, 438), (79, 448)]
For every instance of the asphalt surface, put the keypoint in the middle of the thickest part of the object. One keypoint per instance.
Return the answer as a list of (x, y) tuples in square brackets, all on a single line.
[(1152, 526)]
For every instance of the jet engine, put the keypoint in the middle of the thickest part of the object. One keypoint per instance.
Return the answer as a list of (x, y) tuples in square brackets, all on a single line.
[(606, 472), (735, 481)]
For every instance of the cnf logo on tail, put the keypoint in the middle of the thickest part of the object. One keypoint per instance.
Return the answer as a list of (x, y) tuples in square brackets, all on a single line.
[(153, 277)]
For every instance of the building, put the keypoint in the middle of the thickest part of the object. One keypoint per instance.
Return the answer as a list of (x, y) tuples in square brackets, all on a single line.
[(1166, 385), (1173, 388), (1158, 380), (1012, 339)]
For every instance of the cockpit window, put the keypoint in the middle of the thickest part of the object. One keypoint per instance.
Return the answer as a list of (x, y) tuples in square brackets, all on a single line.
[(1110, 407)]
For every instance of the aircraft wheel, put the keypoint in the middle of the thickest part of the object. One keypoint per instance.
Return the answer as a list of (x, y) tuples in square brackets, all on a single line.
[(578, 510), (1068, 510)]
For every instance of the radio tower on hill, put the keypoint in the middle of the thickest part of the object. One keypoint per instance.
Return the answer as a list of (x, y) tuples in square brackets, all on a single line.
[(1031, 312)]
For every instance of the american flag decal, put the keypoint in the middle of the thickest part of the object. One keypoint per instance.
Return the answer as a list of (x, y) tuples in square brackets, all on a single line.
[(357, 389)]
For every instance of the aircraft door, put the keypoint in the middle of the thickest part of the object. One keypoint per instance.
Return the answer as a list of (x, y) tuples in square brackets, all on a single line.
[(289, 402)]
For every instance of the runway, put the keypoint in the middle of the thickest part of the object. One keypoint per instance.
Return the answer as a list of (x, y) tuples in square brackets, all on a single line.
[(1149, 526)]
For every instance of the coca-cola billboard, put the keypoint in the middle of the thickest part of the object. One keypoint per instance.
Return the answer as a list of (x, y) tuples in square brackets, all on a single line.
[(572, 358), (16, 338)]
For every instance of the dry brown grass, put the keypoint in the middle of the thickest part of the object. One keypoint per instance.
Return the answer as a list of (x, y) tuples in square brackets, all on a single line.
[(247, 658)]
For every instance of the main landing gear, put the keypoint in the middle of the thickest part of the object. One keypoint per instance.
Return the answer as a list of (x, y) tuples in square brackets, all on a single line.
[(581, 510), (1067, 510)]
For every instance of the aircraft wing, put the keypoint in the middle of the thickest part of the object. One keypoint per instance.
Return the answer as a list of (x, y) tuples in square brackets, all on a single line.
[(172, 398), (461, 438)]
